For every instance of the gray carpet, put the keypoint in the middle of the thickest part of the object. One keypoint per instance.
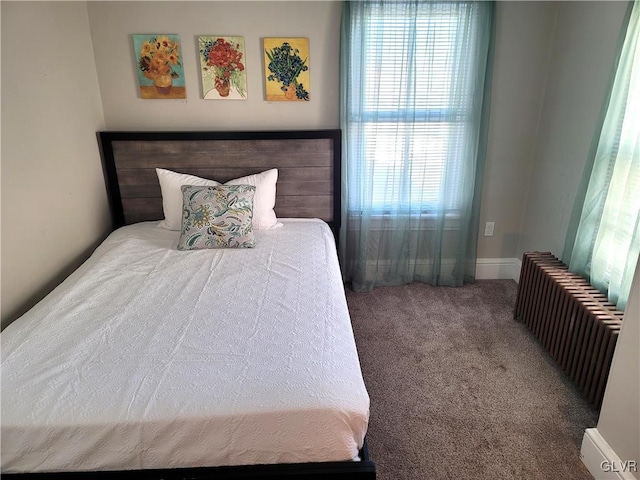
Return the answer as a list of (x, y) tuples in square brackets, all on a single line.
[(460, 390)]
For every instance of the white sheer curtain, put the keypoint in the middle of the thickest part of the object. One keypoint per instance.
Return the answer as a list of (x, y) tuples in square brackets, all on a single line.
[(607, 242), (413, 114)]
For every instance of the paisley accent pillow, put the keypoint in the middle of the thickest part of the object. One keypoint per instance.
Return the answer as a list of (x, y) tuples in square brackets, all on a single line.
[(217, 217)]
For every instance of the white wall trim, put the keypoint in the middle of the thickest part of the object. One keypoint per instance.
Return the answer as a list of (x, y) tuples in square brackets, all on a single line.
[(498, 268), (602, 461)]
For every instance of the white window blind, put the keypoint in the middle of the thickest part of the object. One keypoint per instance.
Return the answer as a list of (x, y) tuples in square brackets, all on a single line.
[(412, 104)]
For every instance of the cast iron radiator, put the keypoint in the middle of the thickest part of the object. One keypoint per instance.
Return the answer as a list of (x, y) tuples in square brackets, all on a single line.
[(571, 319)]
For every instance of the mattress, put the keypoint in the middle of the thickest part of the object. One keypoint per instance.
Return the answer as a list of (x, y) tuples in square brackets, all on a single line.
[(148, 357)]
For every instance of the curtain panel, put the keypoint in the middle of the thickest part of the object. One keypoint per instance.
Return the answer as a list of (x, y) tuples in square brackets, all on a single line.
[(415, 95), (605, 245)]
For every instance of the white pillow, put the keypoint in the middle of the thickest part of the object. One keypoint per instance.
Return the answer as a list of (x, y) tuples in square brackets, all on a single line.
[(170, 183), (264, 218)]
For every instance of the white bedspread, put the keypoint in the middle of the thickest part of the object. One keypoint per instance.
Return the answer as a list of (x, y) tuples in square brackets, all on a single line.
[(147, 357)]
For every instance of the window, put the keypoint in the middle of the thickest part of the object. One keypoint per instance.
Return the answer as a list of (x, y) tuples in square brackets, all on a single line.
[(416, 92), (607, 240), (413, 116)]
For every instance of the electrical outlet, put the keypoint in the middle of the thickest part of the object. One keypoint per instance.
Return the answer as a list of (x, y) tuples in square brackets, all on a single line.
[(488, 229)]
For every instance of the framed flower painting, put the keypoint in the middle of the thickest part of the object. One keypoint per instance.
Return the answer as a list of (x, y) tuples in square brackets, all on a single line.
[(286, 67), (223, 67), (159, 66)]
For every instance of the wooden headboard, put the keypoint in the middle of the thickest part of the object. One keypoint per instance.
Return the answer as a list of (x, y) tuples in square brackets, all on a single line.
[(308, 163)]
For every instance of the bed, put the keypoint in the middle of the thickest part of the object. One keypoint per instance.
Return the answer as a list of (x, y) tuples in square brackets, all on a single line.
[(150, 362)]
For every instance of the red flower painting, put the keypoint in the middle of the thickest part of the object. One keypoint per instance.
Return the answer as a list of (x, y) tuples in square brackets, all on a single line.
[(222, 65)]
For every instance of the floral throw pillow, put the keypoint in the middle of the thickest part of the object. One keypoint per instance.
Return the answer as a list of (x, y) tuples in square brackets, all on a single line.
[(217, 217)]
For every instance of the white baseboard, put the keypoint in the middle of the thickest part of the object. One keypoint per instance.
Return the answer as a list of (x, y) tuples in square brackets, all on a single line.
[(498, 268), (602, 461)]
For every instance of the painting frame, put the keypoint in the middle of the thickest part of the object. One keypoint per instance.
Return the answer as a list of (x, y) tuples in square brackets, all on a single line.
[(222, 67), (286, 68), (159, 66)]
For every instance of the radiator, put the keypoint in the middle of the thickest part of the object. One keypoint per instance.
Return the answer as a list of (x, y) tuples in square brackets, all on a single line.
[(571, 319)]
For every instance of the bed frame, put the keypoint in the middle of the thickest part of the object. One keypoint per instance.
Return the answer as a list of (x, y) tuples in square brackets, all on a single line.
[(309, 166), (308, 163)]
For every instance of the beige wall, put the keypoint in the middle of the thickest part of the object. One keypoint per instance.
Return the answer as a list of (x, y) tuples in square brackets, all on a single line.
[(619, 422), (524, 36), (112, 24), (54, 206), (581, 67)]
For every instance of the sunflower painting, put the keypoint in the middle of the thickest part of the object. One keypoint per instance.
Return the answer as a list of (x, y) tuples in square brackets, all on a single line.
[(159, 66)]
